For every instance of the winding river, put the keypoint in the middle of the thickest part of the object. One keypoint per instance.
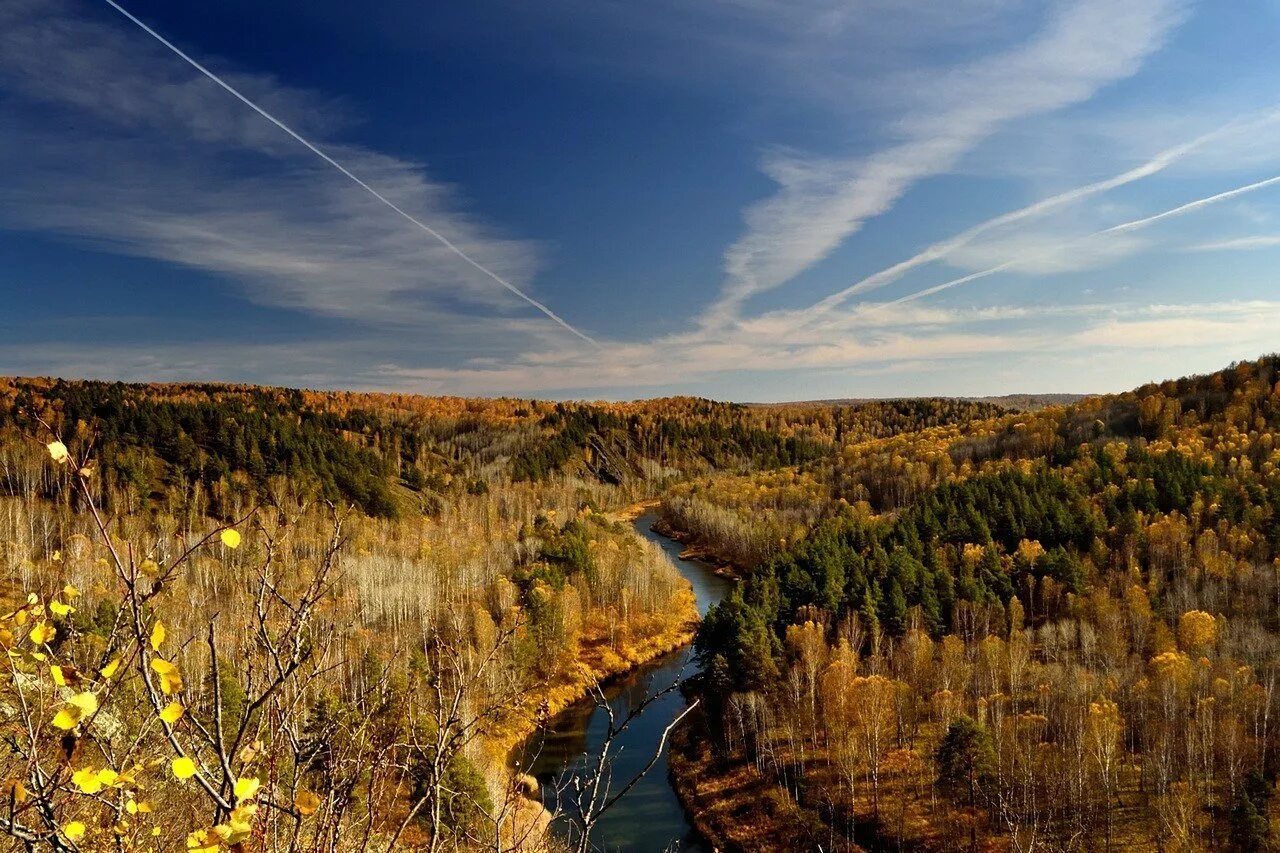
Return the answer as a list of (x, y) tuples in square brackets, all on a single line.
[(649, 818)]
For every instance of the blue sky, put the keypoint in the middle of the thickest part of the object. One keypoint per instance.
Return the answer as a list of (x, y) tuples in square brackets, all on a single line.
[(744, 199)]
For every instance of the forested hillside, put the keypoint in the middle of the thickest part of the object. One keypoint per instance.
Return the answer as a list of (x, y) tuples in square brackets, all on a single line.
[(265, 618), (251, 617), (1052, 630)]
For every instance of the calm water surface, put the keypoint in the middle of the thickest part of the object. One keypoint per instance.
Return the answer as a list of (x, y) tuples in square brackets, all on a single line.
[(649, 818)]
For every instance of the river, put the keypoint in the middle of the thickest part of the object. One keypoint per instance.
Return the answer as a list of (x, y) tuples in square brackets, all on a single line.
[(649, 818)]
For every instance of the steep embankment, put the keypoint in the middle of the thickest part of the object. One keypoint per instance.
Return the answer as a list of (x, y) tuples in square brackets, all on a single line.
[(600, 659), (737, 808)]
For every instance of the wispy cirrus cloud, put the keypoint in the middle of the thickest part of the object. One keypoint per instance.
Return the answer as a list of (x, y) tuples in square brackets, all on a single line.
[(1236, 244), (875, 337), (117, 143), (820, 201), (120, 147), (1231, 132)]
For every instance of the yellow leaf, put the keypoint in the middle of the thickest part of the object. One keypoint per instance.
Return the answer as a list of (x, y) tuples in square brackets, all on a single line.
[(66, 719), (172, 713), (60, 609), (70, 591), (57, 557), (149, 567), (201, 842), (58, 678), (42, 633), (86, 471), (183, 768), (86, 702), (15, 789), (231, 538), (170, 678), (87, 781), (73, 830), (157, 635), (240, 825), (58, 451), (110, 669), (307, 802), (108, 777), (247, 788)]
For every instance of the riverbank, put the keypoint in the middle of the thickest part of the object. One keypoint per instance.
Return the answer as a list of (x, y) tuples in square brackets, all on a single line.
[(737, 808), (695, 550), (600, 660), (650, 817)]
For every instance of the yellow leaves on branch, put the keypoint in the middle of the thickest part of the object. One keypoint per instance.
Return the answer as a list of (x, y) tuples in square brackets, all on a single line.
[(73, 831), (202, 841), (86, 780), (157, 635), (172, 713), (247, 788), (58, 452), (170, 678), (135, 807), (239, 826), (109, 670), (42, 633), (235, 831), (90, 781), (78, 707), (231, 538)]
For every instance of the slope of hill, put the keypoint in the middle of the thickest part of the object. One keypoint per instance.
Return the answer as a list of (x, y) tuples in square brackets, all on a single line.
[(1056, 624), (956, 620)]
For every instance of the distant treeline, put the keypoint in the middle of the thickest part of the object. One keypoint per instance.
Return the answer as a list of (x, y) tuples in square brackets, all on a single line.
[(385, 454)]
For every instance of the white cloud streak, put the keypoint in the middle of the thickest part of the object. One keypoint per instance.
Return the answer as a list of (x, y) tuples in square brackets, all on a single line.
[(422, 226), (1046, 255), (112, 143), (1191, 206), (1261, 241), (1085, 45), (942, 249)]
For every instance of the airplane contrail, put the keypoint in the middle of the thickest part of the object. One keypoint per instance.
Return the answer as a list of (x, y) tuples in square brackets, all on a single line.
[(1131, 225), (1191, 205), (343, 169), (941, 249)]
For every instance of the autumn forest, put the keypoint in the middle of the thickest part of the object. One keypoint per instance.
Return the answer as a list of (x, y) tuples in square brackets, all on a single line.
[(247, 618)]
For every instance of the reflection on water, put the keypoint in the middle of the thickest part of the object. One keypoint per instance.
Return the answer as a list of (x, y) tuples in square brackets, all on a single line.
[(649, 817)]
